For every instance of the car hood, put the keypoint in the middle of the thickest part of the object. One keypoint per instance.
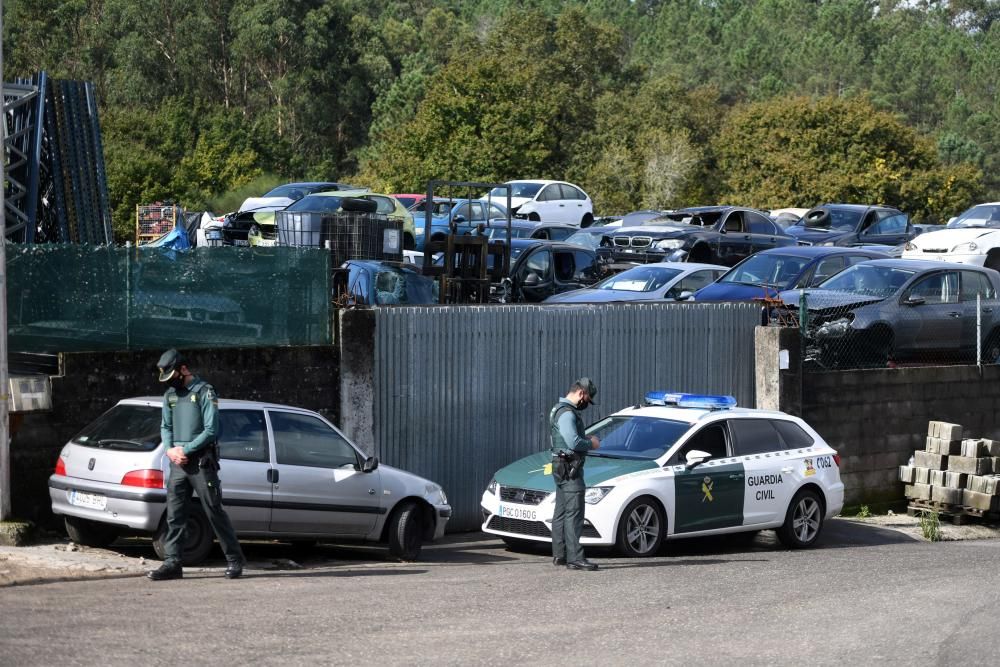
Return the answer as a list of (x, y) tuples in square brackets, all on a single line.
[(601, 296), (265, 203), (823, 299), (529, 472), (815, 235), (734, 292), (660, 231), (514, 201), (946, 239)]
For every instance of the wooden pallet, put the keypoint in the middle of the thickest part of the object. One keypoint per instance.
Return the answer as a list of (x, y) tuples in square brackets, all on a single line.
[(958, 515)]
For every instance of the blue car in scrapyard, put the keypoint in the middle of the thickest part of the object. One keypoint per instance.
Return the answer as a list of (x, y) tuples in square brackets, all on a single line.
[(467, 214), (767, 273)]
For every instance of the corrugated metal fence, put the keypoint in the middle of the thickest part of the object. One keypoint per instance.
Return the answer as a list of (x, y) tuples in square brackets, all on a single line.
[(463, 391)]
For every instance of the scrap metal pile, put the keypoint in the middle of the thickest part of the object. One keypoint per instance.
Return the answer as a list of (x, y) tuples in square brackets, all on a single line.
[(56, 188)]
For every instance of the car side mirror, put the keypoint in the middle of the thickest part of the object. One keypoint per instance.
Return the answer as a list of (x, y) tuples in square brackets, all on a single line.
[(370, 464), (913, 300), (532, 279), (723, 231), (459, 219), (695, 458), (685, 295)]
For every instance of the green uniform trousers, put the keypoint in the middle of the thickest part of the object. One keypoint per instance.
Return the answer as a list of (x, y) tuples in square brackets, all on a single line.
[(567, 522), (205, 482)]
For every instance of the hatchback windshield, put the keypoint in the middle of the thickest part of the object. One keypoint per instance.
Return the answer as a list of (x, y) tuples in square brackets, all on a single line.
[(319, 203), (124, 427), (627, 437), (528, 190), (845, 220), (984, 215), (766, 270), (868, 279), (586, 239), (639, 279), (402, 287)]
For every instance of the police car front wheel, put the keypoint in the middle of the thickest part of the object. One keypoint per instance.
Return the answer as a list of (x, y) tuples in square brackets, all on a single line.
[(803, 521), (641, 528)]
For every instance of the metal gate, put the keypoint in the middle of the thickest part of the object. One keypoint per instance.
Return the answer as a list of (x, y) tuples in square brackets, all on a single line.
[(464, 390)]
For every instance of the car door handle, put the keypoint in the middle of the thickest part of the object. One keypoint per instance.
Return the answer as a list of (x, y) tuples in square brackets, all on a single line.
[(954, 314), (787, 470), (272, 475), (987, 310), (737, 475)]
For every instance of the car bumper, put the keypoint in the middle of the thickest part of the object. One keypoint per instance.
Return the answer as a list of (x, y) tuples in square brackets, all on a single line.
[(973, 259), (834, 499), (534, 522), (137, 508), (441, 515)]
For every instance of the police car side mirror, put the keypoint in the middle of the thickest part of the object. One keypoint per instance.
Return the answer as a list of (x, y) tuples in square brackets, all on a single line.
[(695, 458), (370, 464)]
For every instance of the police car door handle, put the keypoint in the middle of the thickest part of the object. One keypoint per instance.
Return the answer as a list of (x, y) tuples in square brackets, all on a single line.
[(787, 470)]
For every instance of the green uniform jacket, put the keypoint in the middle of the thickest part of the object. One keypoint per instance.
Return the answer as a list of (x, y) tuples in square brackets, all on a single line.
[(190, 417)]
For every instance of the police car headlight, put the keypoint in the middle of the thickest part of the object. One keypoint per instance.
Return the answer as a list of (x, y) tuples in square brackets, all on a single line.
[(492, 488), (595, 494)]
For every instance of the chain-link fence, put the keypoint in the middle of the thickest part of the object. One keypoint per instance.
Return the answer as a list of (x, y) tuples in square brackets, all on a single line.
[(841, 331), (64, 298)]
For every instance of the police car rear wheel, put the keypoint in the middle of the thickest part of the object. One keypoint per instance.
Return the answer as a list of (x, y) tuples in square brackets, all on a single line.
[(406, 533), (641, 528), (803, 521)]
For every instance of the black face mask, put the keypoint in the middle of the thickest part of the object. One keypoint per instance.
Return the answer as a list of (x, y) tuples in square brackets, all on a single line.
[(177, 382), (583, 404)]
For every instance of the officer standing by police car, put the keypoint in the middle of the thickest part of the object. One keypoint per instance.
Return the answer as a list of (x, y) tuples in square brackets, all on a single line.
[(569, 451), (188, 429)]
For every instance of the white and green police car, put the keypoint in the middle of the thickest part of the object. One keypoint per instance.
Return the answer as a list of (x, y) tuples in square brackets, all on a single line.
[(682, 465)]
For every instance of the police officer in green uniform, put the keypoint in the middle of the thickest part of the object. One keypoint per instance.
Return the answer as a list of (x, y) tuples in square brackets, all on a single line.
[(188, 428), (569, 451)]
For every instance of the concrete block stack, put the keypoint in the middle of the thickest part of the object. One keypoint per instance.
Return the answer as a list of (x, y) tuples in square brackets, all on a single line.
[(953, 474)]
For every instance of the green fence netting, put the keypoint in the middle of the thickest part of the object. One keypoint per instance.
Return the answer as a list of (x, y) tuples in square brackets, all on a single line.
[(76, 298)]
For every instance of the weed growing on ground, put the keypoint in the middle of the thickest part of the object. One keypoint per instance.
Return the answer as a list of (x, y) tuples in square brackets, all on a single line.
[(864, 512), (930, 526)]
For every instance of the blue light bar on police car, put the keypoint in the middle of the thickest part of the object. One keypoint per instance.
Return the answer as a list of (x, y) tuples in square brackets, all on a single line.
[(703, 401)]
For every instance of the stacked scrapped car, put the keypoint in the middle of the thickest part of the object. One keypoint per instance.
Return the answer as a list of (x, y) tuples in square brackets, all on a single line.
[(722, 235)]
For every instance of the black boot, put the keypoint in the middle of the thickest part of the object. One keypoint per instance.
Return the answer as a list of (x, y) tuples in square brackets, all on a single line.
[(234, 570), (166, 571)]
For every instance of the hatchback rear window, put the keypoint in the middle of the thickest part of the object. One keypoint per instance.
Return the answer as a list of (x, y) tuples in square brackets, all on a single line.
[(132, 428)]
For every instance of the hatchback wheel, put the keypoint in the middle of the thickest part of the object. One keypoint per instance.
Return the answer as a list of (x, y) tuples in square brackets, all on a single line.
[(641, 528), (803, 521), (197, 539), (406, 532), (90, 533)]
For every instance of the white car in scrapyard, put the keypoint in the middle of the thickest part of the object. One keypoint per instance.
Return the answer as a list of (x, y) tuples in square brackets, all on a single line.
[(286, 473), (971, 238), (682, 465)]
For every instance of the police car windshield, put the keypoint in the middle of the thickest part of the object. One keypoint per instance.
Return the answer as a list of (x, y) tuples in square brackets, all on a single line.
[(124, 427), (633, 437)]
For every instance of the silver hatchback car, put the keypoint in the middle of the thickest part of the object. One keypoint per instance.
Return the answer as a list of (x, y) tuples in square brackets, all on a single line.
[(287, 473)]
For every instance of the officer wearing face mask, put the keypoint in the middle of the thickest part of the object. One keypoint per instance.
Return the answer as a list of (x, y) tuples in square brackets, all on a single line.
[(569, 451), (188, 429)]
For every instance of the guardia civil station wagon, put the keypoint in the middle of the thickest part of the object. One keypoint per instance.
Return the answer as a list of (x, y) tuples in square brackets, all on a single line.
[(681, 465)]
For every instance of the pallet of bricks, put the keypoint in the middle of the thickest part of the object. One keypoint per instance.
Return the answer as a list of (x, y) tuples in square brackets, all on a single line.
[(954, 476)]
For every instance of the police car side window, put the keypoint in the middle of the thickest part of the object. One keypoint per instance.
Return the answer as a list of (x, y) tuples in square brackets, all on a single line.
[(302, 440), (792, 434), (754, 436), (710, 439), (242, 435)]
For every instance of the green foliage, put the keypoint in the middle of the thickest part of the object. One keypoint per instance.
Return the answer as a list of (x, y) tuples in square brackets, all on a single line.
[(644, 104), (802, 151), (864, 512), (930, 526)]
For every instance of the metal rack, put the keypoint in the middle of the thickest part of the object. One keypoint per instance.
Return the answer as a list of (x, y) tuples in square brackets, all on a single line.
[(153, 221)]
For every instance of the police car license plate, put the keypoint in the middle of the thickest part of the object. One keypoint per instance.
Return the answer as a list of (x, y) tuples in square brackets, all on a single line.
[(91, 500), (514, 512)]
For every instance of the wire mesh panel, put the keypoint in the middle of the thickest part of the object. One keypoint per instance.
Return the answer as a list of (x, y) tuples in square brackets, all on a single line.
[(348, 235), (74, 298), (153, 221)]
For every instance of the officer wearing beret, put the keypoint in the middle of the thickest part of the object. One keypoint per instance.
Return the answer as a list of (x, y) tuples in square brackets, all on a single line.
[(188, 428), (569, 451)]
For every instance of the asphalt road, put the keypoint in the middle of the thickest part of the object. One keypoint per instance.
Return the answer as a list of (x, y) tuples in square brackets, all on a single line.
[(866, 595)]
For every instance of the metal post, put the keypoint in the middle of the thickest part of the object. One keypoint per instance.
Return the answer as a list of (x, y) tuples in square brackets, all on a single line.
[(5, 506), (979, 331)]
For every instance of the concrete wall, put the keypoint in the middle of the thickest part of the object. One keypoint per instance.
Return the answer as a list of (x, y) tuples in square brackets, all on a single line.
[(875, 418), (91, 383)]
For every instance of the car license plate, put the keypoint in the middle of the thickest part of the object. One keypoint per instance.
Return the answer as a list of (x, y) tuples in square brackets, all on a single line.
[(92, 500), (241, 242), (213, 235), (267, 242), (512, 512)]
